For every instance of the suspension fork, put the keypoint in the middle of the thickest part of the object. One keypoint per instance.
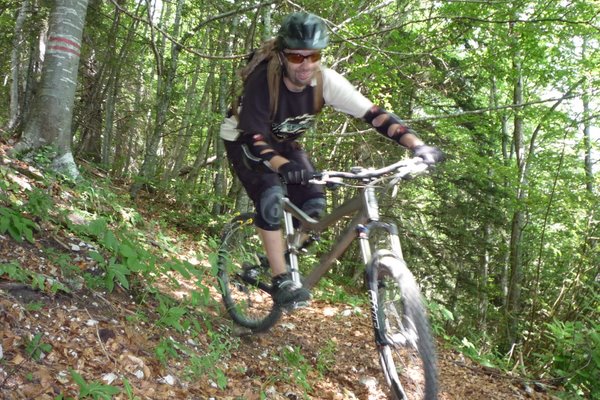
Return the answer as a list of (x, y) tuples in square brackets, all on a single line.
[(371, 207), (291, 255), (372, 271), (372, 282)]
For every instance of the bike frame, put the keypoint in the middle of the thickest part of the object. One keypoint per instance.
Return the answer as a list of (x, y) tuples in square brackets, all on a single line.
[(365, 208)]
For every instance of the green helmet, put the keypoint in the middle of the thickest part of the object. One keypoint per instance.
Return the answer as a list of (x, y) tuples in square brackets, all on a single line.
[(301, 30)]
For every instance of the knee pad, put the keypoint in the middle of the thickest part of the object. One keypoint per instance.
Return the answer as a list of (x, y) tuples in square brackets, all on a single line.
[(314, 207), (270, 209)]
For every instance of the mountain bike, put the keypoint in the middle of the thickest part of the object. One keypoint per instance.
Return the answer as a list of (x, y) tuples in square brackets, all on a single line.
[(400, 325)]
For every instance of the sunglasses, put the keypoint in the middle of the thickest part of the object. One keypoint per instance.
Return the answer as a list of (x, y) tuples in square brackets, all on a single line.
[(296, 58)]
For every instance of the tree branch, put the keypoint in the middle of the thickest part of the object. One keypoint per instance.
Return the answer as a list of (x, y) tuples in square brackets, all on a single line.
[(492, 109), (550, 110), (180, 43), (480, 20), (558, 100), (226, 15)]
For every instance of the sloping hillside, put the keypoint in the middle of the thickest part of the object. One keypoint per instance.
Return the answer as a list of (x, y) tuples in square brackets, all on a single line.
[(100, 299)]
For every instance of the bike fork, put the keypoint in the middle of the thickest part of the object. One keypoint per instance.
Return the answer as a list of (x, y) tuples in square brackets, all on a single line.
[(372, 280), (291, 237)]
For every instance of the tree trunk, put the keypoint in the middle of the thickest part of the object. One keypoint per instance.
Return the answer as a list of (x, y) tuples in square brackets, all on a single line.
[(89, 111), (34, 69), (224, 102), (518, 218), (124, 135), (50, 121), (587, 138), (14, 118), (180, 149), (164, 90)]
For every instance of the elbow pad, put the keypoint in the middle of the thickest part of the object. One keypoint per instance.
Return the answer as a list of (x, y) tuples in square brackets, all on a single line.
[(260, 148), (386, 123)]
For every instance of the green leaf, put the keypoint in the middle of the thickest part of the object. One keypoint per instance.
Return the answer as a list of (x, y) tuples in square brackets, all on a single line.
[(120, 272), (98, 227), (94, 255), (181, 269), (79, 380), (126, 251), (110, 241), (14, 233)]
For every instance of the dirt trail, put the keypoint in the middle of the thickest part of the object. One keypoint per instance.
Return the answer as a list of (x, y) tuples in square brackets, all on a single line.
[(56, 346), (97, 335)]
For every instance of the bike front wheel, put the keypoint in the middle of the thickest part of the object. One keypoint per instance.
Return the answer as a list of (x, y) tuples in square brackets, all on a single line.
[(405, 345), (244, 276)]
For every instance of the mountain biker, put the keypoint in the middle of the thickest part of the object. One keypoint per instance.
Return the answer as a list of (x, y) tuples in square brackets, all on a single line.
[(284, 87)]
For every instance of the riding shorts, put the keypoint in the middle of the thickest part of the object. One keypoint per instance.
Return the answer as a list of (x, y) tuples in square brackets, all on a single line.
[(264, 186)]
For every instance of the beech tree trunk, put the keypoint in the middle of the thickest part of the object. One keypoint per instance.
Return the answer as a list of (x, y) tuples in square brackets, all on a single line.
[(15, 73), (49, 123), (166, 72), (587, 136), (513, 303)]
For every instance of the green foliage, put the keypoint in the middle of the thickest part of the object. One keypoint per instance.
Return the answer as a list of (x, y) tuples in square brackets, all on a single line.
[(447, 67), (36, 280), (165, 350), (171, 316), (94, 390), (338, 291), (572, 354), (39, 204), (200, 365), (43, 156), (208, 364), (106, 205), (34, 306), (129, 390), (326, 357), (439, 317), (295, 367), (17, 226), (116, 273), (472, 350), (35, 347), (14, 271), (128, 256)]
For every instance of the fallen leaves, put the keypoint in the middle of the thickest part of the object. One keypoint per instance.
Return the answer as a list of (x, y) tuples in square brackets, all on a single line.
[(99, 337)]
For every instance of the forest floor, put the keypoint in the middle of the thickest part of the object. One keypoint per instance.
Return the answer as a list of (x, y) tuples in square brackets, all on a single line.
[(84, 343)]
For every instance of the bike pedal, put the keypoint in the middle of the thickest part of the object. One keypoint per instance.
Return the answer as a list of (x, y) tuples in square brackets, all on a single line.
[(294, 306)]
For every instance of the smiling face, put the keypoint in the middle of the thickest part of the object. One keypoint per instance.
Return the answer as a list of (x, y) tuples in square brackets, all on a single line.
[(300, 66)]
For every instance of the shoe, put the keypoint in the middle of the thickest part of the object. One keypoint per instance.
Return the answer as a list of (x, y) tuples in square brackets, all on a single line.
[(286, 292)]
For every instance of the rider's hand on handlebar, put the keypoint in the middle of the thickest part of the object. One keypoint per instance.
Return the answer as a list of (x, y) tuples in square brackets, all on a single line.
[(430, 154), (294, 173)]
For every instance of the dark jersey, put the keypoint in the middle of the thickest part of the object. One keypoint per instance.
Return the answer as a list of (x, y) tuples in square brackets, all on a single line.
[(295, 110)]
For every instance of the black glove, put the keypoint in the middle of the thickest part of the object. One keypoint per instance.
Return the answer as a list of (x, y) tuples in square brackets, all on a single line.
[(294, 173), (431, 155)]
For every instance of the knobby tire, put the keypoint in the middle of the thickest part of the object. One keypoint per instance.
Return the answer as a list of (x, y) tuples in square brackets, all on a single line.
[(244, 276), (406, 348)]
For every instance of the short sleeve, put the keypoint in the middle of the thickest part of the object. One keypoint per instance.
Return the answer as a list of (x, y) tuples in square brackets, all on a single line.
[(342, 95)]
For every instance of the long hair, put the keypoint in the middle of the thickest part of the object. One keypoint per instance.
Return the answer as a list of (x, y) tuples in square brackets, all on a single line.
[(268, 51)]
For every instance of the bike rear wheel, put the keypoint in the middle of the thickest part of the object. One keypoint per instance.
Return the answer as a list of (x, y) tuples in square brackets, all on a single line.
[(405, 345), (244, 276)]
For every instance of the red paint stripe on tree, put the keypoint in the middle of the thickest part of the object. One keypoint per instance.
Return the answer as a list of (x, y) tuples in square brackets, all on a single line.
[(62, 49), (64, 40)]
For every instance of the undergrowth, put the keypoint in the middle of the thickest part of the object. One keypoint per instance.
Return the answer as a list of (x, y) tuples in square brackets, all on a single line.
[(140, 255), (124, 249)]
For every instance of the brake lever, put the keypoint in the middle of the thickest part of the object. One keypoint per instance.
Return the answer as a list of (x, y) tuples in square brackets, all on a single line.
[(413, 171), (331, 183)]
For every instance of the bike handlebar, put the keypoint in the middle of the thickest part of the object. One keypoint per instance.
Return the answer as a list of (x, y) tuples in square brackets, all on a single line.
[(403, 169)]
